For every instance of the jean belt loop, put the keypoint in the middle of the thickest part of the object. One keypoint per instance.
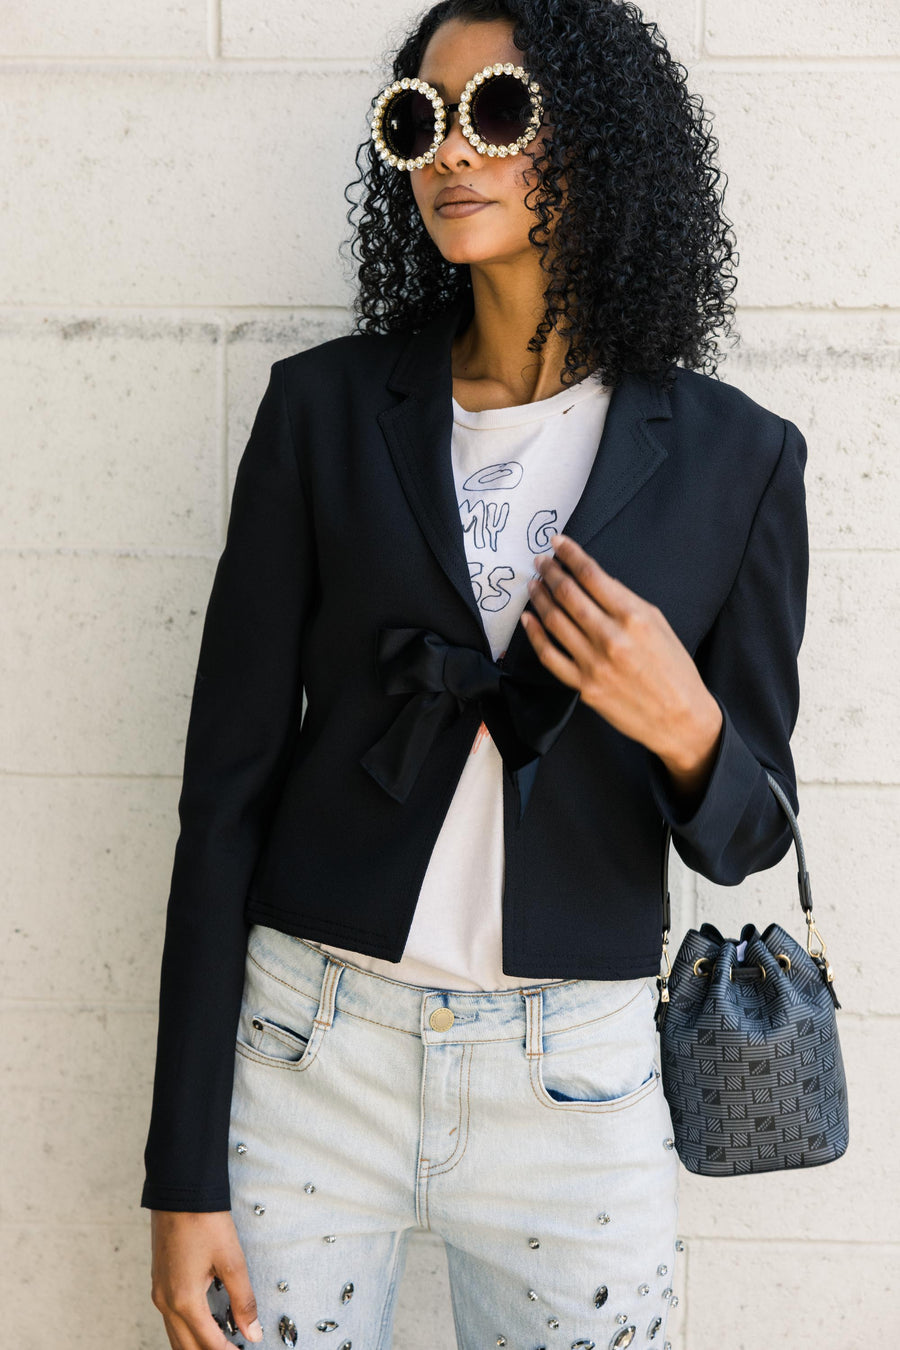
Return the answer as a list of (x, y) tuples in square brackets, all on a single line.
[(534, 1007), (331, 978)]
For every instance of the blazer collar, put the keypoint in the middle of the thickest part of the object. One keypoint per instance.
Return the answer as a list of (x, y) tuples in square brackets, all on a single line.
[(418, 432)]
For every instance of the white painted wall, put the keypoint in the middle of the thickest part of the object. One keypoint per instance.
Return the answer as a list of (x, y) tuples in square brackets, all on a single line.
[(170, 210)]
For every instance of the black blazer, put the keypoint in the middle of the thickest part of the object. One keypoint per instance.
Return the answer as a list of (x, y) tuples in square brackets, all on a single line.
[(344, 572)]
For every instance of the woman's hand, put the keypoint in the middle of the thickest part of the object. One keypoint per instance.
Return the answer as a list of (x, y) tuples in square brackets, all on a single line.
[(625, 660), (188, 1250)]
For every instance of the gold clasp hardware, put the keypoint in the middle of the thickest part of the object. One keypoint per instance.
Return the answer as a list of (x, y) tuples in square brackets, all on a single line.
[(812, 930), (819, 957)]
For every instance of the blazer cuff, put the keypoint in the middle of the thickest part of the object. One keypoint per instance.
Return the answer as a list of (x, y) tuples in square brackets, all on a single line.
[(184, 1200), (715, 818)]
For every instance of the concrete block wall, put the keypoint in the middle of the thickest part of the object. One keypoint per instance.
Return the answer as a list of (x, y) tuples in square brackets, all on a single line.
[(170, 213)]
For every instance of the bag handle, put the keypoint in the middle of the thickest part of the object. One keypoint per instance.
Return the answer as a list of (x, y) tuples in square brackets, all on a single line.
[(802, 874), (803, 884)]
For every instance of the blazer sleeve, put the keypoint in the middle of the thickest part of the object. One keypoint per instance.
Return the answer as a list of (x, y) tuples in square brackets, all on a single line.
[(748, 660), (245, 713)]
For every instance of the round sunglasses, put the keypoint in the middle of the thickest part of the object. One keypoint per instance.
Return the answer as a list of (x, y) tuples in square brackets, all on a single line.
[(500, 112)]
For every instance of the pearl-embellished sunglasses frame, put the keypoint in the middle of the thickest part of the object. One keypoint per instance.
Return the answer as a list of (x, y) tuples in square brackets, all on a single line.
[(466, 126)]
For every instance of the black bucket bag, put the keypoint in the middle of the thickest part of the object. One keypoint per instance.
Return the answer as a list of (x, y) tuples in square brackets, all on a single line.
[(751, 1062)]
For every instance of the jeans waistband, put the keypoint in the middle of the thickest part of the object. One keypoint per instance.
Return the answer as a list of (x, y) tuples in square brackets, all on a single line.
[(478, 1015)]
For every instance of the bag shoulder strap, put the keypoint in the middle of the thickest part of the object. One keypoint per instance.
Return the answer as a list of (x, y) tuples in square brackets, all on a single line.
[(803, 883)]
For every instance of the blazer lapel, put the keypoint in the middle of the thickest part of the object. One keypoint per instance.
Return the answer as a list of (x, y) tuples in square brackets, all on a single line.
[(418, 433)]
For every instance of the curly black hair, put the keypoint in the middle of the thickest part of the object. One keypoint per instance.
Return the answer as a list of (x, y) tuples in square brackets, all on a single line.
[(639, 279)]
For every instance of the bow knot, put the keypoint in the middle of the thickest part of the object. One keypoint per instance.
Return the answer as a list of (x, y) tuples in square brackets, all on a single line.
[(523, 711), (468, 674)]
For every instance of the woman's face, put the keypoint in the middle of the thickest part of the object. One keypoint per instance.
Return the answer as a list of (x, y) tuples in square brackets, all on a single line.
[(498, 230)]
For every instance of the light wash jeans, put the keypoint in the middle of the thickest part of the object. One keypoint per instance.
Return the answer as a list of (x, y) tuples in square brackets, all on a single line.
[(527, 1126)]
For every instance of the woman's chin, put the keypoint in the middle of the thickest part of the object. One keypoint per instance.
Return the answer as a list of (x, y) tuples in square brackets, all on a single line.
[(471, 250)]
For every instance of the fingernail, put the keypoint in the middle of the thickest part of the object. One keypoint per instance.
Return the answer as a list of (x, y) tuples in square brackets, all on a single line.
[(255, 1331)]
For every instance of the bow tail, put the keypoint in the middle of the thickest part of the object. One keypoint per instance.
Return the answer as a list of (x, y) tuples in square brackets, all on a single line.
[(523, 730), (395, 760)]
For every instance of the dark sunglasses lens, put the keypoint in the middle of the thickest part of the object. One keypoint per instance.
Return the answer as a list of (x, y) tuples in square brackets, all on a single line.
[(501, 109), (408, 124)]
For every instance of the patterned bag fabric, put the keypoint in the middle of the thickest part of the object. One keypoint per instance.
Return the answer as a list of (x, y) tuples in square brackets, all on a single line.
[(750, 1056)]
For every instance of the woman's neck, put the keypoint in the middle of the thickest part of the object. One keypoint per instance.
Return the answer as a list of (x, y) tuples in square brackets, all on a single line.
[(490, 362)]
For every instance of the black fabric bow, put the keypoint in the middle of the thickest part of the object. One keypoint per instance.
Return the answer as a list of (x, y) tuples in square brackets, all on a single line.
[(524, 711)]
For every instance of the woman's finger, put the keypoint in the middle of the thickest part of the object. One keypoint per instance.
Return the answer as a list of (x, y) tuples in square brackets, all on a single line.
[(558, 623), (197, 1329), (236, 1278), (171, 1335), (556, 662), (568, 593), (610, 593)]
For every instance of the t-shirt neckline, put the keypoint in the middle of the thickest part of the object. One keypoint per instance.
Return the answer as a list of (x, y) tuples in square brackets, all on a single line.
[(589, 387)]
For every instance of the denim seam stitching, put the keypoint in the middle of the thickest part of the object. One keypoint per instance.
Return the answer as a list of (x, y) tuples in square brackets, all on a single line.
[(593, 1108), (448, 1164)]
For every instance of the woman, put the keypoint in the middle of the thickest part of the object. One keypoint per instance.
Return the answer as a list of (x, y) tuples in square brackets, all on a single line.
[(408, 970)]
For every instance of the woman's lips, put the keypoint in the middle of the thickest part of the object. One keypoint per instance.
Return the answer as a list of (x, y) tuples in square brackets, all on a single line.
[(461, 208)]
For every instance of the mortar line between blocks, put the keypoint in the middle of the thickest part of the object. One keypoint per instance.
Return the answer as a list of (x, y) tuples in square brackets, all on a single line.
[(737, 63), (202, 309)]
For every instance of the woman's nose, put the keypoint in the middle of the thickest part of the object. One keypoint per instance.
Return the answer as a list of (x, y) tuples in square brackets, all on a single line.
[(455, 143)]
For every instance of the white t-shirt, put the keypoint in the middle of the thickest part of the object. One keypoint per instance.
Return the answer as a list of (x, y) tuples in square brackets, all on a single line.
[(519, 473)]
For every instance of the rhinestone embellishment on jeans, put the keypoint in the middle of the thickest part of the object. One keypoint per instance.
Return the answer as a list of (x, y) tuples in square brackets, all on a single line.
[(654, 1328), (326, 1326), (283, 1286), (622, 1338), (287, 1331), (679, 1245), (259, 1209), (601, 1296), (309, 1188), (242, 1148), (643, 1289), (603, 1218), (662, 1270), (347, 1292), (533, 1243)]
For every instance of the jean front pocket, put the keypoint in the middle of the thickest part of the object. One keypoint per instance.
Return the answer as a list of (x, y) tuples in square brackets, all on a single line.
[(606, 1063), (278, 1024), (276, 1041)]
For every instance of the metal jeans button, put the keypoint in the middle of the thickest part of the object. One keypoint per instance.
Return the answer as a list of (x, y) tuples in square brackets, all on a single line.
[(441, 1019)]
